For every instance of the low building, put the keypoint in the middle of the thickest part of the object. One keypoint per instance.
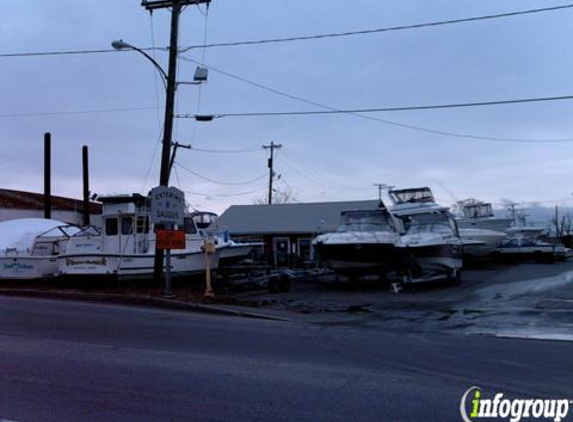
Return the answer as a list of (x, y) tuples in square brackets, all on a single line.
[(19, 204), (286, 230)]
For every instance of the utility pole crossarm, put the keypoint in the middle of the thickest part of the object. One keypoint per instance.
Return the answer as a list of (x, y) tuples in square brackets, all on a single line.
[(163, 4)]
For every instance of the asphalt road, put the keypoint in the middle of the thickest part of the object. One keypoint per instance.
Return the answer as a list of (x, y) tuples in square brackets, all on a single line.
[(66, 361)]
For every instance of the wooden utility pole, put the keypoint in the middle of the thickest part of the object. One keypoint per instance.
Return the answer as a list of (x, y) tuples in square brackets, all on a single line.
[(175, 6), (47, 175), (86, 182), (272, 147)]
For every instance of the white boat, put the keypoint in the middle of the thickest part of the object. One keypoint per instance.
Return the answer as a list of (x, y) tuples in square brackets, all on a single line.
[(480, 242), (229, 250), (479, 215), (430, 246), (126, 246), (364, 244), (41, 259)]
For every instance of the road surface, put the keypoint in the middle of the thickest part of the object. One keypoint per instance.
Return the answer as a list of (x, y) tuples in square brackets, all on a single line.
[(67, 361)]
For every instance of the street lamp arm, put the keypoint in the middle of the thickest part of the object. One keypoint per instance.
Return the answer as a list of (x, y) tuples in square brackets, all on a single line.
[(122, 45)]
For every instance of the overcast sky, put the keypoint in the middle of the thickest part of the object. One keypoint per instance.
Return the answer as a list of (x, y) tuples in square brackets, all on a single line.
[(334, 157)]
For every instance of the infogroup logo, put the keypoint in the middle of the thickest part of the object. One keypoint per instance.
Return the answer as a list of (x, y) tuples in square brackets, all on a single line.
[(474, 406)]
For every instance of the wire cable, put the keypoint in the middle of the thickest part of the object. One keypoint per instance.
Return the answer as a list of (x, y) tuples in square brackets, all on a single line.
[(302, 38), (387, 109), (380, 30), (375, 118), (72, 112), (227, 151), (218, 182), (210, 195)]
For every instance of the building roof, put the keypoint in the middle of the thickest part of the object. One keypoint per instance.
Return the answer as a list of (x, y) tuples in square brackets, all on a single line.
[(301, 218), (14, 199)]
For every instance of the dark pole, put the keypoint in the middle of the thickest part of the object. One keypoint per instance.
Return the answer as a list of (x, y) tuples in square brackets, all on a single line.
[(47, 175), (85, 168), (272, 147), (170, 97), (168, 123), (271, 174)]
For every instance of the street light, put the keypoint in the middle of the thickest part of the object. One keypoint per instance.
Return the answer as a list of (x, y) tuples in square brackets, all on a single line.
[(122, 45)]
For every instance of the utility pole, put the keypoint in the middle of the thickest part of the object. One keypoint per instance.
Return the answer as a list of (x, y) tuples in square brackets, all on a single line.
[(86, 183), (175, 6), (47, 175), (272, 147)]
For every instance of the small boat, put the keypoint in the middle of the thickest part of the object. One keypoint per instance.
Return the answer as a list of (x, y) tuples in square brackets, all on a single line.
[(229, 250), (430, 246), (364, 244), (478, 243), (126, 246), (41, 260)]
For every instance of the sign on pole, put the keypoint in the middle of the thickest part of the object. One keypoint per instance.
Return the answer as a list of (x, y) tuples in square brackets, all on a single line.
[(170, 239), (167, 206)]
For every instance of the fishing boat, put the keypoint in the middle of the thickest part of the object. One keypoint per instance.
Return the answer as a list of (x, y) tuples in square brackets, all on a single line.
[(364, 244), (125, 248)]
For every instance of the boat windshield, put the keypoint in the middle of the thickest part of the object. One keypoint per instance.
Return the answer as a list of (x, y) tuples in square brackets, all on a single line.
[(373, 220), (408, 196), (429, 223)]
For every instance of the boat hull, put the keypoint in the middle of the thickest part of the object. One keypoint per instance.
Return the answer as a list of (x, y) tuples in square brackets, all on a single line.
[(28, 267), (132, 266), (357, 258), (439, 258)]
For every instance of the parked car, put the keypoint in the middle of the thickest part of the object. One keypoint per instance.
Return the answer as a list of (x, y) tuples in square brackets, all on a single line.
[(524, 248)]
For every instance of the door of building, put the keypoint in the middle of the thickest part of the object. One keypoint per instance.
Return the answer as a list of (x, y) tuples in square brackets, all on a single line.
[(281, 247)]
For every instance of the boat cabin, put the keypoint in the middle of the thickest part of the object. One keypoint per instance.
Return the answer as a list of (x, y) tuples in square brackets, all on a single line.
[(479, 210)]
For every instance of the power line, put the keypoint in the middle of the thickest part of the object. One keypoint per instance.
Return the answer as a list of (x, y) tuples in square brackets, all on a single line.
[(71, 112), (385, 109), (379, 30), (73, 52), (210, 195), (227, 151), (218, 182), (374, 118), (297, 38)]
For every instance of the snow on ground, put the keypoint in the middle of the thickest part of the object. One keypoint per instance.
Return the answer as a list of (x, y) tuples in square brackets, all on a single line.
[(20, 233)]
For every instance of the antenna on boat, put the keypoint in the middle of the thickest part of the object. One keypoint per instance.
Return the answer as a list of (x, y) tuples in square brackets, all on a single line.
[(382, 186)]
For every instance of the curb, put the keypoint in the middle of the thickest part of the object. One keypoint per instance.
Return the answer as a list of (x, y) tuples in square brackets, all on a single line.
[(156, 302)]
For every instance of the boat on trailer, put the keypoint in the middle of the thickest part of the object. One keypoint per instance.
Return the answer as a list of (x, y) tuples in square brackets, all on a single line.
[(430, 247), (125, 248)]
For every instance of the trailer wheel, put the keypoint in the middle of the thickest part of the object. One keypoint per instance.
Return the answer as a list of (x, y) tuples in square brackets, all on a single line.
[(273, 284), (284, 283), (455, 276)]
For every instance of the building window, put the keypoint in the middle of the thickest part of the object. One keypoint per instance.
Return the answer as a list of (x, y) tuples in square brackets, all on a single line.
[(126, 225), (111, 226)]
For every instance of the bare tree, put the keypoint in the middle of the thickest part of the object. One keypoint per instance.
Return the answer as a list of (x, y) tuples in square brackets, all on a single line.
[(284, 195)]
